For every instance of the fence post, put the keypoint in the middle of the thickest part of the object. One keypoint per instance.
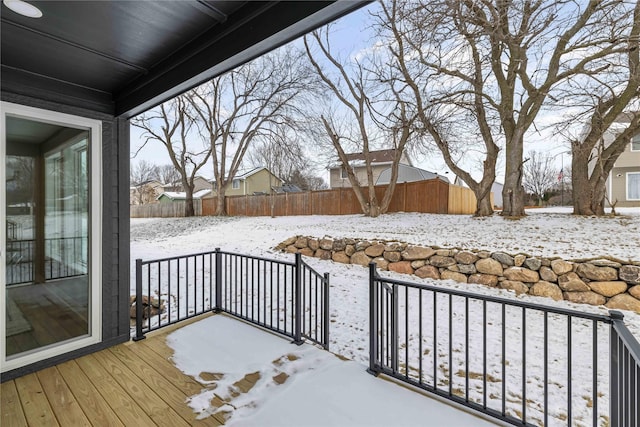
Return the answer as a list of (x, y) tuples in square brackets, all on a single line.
[(373, 320), (218, 281), (326, 311), (139, 335), (614, 370), (297, 314)]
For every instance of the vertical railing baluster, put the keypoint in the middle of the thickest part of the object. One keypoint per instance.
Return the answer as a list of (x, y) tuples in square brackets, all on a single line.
[(569, 362), (435, 340), (466, 348), (326, 315), (373, 320), (218, 281), (594, 364), (524, 365), (420, 336), (545, 367), (504, 362), (139, 336), (484, 354), (450, 340), (406, 331), (297, 333)]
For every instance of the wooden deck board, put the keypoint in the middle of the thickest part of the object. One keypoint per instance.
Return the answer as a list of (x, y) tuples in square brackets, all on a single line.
[(128, 410), (35, 403), (62, 401), (96, 409), (164, 365), (155, 379), (10, 406), (145, 396)]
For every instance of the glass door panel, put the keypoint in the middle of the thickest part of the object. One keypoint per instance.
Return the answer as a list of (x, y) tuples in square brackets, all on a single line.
[(47, 292)]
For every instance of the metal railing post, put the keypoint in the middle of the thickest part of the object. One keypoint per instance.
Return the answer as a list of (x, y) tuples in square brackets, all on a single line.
[(139, 335), (394, 328), (218, 281), (373, 320), (326, 311), (297, 297), (614, 370)]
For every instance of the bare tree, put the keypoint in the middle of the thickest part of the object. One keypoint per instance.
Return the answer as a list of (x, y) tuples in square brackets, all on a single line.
[(168, 174), (374, 106), (244, 105), (450, 103), (281, 152), (283, 155), (170, 124), (140, 174), (593, 156), (540, 174), (497, 63)]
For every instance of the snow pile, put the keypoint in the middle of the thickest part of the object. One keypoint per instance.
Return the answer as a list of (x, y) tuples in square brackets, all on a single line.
[(302, 386)]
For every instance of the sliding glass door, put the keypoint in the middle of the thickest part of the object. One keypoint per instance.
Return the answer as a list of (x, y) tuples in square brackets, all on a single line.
[(51, 204)]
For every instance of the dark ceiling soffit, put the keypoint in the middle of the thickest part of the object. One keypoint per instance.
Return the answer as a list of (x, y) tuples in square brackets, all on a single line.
[(33, 85), (207, 60)]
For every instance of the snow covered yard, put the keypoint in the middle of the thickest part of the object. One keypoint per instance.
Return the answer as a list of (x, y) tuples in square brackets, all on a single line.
[(544, 232)]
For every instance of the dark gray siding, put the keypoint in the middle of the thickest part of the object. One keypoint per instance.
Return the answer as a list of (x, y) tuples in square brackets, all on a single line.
[(115, 228)]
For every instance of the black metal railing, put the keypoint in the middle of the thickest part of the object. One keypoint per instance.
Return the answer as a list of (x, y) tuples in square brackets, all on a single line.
[(522, 363), (63, 257), (289, 298), (625, 374)]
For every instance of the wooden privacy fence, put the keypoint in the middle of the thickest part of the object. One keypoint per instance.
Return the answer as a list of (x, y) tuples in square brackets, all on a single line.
[(432, 196), (164, 209)]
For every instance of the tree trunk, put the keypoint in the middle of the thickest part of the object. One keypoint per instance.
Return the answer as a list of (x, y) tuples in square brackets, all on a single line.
[(586, 200), (513, 191), (221, 208), (188, 206), (483, 206)]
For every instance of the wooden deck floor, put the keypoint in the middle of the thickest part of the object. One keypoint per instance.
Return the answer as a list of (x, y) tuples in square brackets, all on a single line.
[(132, 384)]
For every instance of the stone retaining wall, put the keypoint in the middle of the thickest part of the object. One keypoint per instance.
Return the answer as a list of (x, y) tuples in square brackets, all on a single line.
[(612, 283)]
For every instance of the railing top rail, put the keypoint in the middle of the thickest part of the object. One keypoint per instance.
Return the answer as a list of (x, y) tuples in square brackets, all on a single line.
[(151, 261), (275, 261), (308, 267), (499, 300), (625, 335)]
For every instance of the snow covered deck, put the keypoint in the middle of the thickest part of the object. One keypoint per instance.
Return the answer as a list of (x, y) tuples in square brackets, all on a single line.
[(243, 376)]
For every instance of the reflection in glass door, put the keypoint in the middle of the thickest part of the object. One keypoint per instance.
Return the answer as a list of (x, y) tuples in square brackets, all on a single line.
[(48, 291)]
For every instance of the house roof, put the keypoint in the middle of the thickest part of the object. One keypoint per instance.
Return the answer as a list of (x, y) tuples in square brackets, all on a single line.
[(124, 57), (180, 195), (380, 156), (244, 175), (408, 173)]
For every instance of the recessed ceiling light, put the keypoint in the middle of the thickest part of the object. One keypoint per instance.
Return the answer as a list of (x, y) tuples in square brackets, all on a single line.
[(23, 8)]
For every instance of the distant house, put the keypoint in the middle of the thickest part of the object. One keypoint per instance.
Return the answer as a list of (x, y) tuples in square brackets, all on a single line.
[(408, 173), (174, 196), (255, 181), (199, 183), (145, 192), (380, 160), (623, 183)]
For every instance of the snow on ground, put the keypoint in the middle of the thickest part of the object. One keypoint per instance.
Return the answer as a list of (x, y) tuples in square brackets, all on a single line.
[(544, 232), (318, 388)]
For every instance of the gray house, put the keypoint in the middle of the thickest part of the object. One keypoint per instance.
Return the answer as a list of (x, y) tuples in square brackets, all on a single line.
[(73, 74)]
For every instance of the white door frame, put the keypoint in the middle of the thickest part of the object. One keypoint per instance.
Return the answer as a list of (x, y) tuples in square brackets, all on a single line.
[(95, 209)]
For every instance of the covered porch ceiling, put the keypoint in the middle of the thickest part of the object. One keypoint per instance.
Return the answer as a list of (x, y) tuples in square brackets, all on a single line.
[(124, 57)]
